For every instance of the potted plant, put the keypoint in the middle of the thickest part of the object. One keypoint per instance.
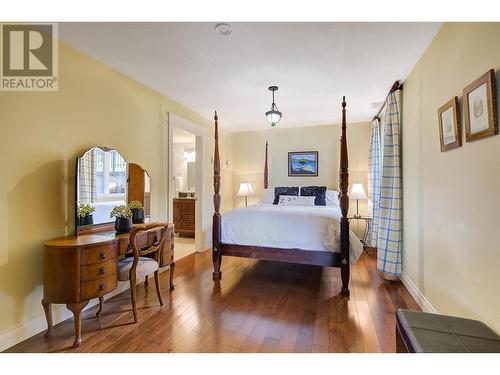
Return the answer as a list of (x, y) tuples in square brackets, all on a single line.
[(137, 212), (84, 212), (123, 216)]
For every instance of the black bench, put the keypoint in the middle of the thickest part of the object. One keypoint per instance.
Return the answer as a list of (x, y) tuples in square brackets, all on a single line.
[(420, 332)]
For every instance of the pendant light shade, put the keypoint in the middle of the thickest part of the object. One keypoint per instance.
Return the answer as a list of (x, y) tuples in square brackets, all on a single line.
[(273, 116)]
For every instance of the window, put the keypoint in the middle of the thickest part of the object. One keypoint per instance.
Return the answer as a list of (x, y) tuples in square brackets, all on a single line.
[(99, 161), (111, 174), (117, 164)]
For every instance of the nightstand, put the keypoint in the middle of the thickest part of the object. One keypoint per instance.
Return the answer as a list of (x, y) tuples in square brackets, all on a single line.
[(361, 226)]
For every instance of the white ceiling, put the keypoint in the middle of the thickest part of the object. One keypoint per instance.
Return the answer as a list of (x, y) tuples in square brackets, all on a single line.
[(313, 64)]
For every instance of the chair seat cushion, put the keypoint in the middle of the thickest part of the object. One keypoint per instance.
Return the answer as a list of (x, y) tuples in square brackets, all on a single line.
[(146, 266)]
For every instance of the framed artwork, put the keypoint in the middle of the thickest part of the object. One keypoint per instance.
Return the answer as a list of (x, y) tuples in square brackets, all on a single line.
[(480, 113), (303, 163), (449, 125)]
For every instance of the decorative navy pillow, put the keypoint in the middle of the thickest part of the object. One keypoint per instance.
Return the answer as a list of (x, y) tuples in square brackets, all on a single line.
[(284, 190), (317, 191)]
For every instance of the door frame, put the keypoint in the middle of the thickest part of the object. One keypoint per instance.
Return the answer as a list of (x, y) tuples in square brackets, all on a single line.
[(176, 121)]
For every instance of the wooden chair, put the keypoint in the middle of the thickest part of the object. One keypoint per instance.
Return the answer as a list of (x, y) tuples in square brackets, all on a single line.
[(144, 262)]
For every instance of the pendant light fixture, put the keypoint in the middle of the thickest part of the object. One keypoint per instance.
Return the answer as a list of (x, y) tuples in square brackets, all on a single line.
[(273, 116)]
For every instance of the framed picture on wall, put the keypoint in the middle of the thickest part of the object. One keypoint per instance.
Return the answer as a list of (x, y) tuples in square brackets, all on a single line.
[(480, 114), (449, 125), (303, 163)]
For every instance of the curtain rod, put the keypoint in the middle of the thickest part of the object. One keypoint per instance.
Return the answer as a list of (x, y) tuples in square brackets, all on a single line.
[(395, 87)]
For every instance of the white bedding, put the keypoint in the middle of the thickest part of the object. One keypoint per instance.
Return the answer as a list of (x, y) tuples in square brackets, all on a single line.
[(298, 227)]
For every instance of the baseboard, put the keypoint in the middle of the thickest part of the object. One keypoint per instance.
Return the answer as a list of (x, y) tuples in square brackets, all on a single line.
[(416, 294), (60, 313)]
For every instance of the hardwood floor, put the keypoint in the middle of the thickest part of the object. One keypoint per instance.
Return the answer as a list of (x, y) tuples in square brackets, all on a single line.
[(257, 307)]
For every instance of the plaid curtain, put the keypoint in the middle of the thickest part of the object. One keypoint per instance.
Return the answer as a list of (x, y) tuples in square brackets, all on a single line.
[(390, 205), (374, 182), (87, 185)]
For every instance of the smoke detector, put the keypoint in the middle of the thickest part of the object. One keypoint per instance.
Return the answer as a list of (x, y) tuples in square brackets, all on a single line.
[(223, 29)]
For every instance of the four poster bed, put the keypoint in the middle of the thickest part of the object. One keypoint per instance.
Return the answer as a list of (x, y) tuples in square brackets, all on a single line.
[(265, 216)]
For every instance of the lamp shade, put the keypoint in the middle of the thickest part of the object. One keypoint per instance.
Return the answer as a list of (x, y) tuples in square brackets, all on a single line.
[(358, 192), (245, 189), (273, 116)]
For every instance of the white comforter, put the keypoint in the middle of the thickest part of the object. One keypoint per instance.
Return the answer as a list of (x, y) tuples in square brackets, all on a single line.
[(297, 227)]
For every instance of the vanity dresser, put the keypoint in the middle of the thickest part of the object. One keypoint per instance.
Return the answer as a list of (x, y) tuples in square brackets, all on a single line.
[(184, 216), (83, 266)]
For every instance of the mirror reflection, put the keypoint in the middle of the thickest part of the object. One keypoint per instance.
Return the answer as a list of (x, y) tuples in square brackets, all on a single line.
[(147, 195), (101, 185)]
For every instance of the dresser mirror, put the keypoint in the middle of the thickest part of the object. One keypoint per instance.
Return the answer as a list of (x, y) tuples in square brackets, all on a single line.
[(104, 180), (101, 184), (139, 187), (147, 195)]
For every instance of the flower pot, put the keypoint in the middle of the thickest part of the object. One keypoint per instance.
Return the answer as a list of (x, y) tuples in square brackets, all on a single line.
[(137, 216), (123, 225), (88, 220)]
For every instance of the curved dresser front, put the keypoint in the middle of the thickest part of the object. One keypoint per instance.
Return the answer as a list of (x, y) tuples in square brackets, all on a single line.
[(78, 269)]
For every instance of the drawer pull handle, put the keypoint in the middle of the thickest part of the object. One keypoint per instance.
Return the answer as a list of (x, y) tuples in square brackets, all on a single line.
[(101, 286), (102, 271), (102, 255)]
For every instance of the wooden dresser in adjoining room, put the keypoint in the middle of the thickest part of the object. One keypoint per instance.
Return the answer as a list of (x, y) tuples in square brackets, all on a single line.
[(184, 216)]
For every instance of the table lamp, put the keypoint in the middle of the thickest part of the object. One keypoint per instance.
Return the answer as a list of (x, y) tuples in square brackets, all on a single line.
[(357, 192), (245, 190)]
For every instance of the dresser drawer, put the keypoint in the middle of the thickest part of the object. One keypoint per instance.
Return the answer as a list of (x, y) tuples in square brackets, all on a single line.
[(187, 206), (186, 225), (167, 254), (96, 288), (99, 254), (187, 216), (98, 270)]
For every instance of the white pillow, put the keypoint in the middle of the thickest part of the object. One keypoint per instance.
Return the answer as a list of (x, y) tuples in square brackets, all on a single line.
[(332, 198), (295, 200), (267, 196)]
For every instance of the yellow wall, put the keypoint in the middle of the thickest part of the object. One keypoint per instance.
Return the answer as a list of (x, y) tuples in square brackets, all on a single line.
[(249, 150), (41, 134), (451, 249)]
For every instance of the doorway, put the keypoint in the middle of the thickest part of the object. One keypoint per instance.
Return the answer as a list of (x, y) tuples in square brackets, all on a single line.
[(185, 184)]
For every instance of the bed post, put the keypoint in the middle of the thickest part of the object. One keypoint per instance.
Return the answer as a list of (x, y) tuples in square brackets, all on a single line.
[(344, 205), (265, 171), (216, 223)]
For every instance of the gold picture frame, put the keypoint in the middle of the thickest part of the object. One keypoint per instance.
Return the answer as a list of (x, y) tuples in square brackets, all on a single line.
[(480, 113), (450, 133)]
